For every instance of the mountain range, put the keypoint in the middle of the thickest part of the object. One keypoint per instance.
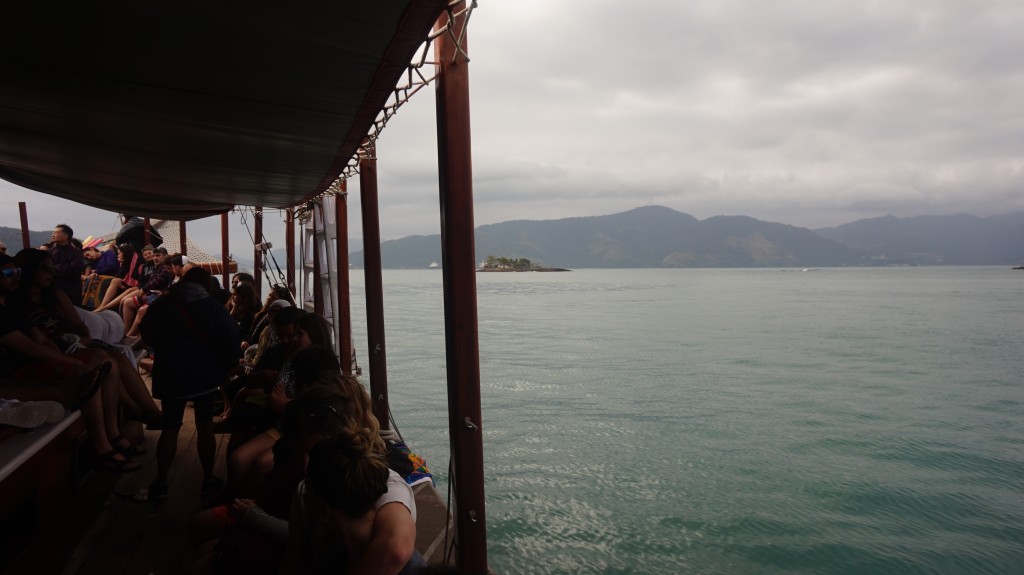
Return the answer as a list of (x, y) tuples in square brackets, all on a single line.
[(657, 236)]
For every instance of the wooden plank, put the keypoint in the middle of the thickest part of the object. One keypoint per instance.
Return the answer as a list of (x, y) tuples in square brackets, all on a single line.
[(130, 537)]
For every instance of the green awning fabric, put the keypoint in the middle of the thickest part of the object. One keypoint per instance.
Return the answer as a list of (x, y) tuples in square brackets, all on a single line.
[(183, 109)]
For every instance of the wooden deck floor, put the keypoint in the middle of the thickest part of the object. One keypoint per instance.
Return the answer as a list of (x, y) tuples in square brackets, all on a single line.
[(133, 538)]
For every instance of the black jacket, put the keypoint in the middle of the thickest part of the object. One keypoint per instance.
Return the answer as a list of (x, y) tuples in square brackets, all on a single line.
[(194, 340)]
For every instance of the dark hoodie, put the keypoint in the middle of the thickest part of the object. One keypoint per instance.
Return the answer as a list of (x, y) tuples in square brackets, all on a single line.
[(195, 342)]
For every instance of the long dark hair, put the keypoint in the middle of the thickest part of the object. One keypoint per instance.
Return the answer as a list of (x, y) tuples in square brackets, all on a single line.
[(130, 268), (246, 302), (318, 329), (30, 260)]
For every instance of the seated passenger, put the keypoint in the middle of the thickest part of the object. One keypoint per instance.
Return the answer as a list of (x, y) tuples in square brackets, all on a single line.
[(127, 282), (261, 320), (50, 311), (158, 280), (250, 535), (352, 511), (102, 263), (248, 464), (36, 363), (243, 306)]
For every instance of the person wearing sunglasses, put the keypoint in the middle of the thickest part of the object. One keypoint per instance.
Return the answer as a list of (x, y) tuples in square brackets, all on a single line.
[(36, 361)]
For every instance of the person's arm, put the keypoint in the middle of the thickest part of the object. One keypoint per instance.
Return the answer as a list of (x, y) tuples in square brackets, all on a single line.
[(22, 344), (392, 543), (254, 517)]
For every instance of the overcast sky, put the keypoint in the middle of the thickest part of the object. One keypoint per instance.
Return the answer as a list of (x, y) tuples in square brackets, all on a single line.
[(811, 113)]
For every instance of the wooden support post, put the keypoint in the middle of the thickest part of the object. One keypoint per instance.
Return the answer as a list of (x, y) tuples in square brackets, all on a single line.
[(376, 349), (343, 315), (318, 289), (289, 246), (225, 250), (257, 254), (182, 238), (459, 270), (25, 238), (147, 238)]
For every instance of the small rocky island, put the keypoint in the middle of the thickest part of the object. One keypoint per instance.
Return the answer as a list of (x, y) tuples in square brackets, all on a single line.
[(495, 264)]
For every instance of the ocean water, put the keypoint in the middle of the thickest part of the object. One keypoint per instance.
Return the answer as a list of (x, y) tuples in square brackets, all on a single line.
[(732, 421)]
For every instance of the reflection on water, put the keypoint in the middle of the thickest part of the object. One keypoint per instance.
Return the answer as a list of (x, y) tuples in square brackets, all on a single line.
[(733, 421)]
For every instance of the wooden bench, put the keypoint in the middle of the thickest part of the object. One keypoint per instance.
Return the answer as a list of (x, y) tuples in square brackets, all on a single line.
[(434, 528), (47, 495)]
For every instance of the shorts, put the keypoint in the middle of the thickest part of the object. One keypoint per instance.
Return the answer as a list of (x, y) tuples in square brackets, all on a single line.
[(145, 299), (174, 409)]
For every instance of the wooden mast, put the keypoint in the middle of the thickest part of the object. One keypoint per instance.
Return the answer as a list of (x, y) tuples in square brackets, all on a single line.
[(314, 245), (224, 248), (375, 347), (343, 315), (25, 238), (459, 270), (289, 247), (257, 253)]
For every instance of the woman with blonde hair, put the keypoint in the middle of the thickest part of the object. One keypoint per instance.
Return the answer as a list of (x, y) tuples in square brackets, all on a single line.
[(352, 511)]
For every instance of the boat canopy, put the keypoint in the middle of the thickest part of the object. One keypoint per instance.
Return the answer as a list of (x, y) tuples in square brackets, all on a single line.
[(181, 110)]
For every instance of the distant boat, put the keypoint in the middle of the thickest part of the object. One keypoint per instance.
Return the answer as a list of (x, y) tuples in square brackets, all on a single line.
[(434, 265)]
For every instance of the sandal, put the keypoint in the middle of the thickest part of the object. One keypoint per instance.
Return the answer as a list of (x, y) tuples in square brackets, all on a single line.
[(109, 462), (131, 450)]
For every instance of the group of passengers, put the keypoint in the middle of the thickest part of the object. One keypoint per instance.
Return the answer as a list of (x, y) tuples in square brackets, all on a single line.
[(312, 484), (309, 487), (49, 352)]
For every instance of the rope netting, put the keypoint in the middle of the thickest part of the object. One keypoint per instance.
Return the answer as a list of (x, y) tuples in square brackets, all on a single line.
[(420, 73)]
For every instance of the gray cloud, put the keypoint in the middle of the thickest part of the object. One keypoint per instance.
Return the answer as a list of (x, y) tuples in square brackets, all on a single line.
[(804, 112)]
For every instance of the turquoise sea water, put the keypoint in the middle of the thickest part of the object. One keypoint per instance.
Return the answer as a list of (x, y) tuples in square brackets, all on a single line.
[(733, 421)]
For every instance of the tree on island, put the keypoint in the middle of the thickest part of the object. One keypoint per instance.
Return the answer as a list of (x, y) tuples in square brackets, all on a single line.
[(507, 263)]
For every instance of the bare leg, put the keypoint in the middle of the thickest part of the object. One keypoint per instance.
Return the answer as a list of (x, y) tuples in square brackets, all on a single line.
[(166, 447), (134, 331), (134, 386), (244, 464), (92, 412), (128, 310), (206, 446), (112, 290), (110, 390), (114, 303)]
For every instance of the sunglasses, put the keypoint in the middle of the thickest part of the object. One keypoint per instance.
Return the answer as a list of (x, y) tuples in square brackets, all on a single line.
[(12, 273), (323, 410)]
